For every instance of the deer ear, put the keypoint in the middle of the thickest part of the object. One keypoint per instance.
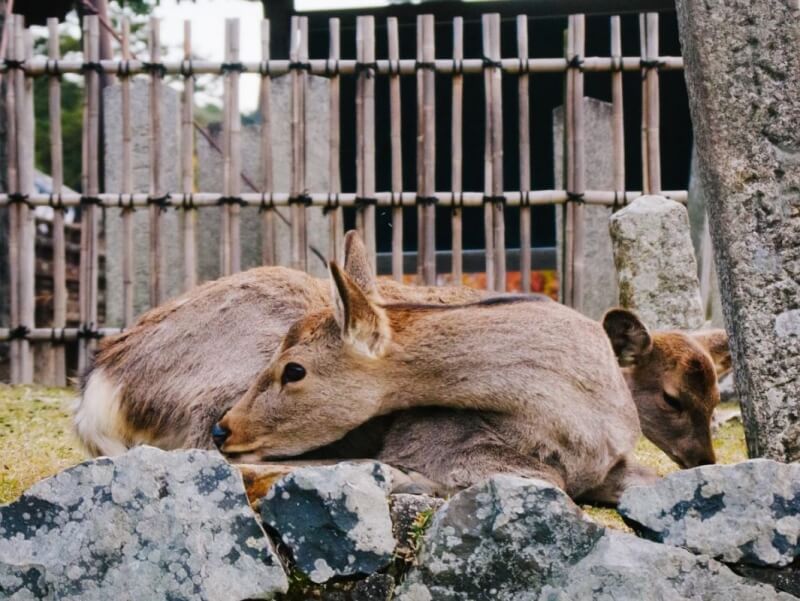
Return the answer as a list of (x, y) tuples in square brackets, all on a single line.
[(628, 335), (716, 343), (357, 265), (364, 325)]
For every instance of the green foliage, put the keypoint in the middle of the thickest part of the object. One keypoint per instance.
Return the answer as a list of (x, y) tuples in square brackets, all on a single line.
[(418, 528), (71, 118)]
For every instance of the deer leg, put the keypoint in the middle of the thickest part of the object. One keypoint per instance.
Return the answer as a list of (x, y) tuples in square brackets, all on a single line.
[(625, 473)]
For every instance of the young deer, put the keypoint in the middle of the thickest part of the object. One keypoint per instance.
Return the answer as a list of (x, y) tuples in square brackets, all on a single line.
[(551, 398), (172, 375)]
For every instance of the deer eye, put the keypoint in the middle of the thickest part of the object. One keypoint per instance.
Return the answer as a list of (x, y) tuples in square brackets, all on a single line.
[(293, 372), (673, 402)]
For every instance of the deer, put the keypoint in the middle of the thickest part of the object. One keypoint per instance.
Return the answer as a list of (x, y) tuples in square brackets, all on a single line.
[(166, 381)]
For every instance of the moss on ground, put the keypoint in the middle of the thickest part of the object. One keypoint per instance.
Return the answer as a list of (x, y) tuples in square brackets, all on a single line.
[(36, 438), (36, 441)]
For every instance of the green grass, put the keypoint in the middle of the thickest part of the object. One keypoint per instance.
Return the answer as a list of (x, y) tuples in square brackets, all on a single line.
[(36, 438), (36, 441)]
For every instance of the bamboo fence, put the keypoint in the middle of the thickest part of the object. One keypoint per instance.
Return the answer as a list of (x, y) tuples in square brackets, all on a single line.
[(368, 72)]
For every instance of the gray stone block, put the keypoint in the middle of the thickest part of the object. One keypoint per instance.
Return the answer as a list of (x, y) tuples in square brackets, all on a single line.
[(600, 278), (656, 267), (145, 525), (209, 179), (743, 77), (171, 244)]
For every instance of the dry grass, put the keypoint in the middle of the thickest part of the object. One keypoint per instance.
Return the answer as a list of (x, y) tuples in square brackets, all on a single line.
[(36, 437), (36, 441)]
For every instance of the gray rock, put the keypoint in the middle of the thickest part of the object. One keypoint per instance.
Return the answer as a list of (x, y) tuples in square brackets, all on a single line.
[(656, 268), (334, 519), (600, 277), (783, 579), (515, 539), (745, 513), (24, 583), (405, 511), (376, 587), (743, 77), (147, 525)]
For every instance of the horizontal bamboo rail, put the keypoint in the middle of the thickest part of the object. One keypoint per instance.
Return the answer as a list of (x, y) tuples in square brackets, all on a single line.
[(324, 199), (327, 67)]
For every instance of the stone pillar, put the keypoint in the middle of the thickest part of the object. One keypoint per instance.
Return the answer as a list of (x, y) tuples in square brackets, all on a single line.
[(170, 178), (655, 263), (317, 153), (600, 287), (743, 76)]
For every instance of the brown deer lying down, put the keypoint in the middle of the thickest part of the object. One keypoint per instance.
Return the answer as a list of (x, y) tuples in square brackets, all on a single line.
[(538, 385), (169, 378)]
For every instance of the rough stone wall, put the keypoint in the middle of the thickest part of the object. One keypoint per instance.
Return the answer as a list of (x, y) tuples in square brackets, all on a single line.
[(742, 67)]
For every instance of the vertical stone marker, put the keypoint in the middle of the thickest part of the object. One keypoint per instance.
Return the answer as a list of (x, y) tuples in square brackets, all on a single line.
[(742, 62), (600, 288), (655, 263)]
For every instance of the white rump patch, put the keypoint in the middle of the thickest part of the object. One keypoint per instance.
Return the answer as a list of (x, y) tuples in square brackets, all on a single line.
[(97, 418)]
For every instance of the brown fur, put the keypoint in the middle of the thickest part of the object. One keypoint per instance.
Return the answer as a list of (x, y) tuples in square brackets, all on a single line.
[(185, 363), (535, 386)]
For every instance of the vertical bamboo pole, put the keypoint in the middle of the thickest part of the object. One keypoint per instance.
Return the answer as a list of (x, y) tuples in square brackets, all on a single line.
[(359, 107), (268, 256), (653, 108), (567, 263), (420, 159), (233, 173), (456, 150), (490, 186), (58, 374), (498, 208), (524, 155), (26, 223), (89, 221), (225, 242), (646, 187), (13, 210), (429, 150), (369, 140), (299, 42), (127, 184), (155, 258), (396, 144), (335, 215), (618, 132), (579, 172), (187, 165)]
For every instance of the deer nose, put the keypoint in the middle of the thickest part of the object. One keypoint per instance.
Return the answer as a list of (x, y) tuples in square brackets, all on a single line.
[(220, 435)]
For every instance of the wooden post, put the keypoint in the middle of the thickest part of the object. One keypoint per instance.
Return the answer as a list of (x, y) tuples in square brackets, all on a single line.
[(397, 149), (365, 44), (429, 150), (653, 108), (268, 240), (618, 124), (187, 164), (579, 168), (335, 213), (233, 165), (89, 220), (127, 184), (297, 55), (155, 258), (646, 187), (456, 150), (9, 36), (524, 154), (58, 373), (26, 219)]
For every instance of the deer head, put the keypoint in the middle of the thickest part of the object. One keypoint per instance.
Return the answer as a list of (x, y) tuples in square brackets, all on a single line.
[(673, 379)]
